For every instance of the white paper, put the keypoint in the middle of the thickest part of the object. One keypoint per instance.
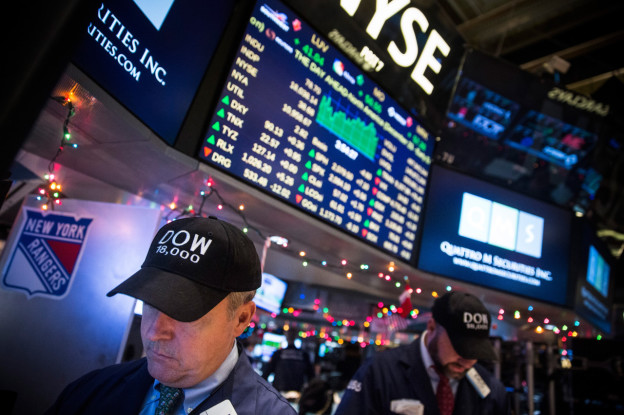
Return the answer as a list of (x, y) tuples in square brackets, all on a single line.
[(407, 407), (222, 408), (477, 382)]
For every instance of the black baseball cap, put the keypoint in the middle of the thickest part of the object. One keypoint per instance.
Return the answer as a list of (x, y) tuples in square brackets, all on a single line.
[(467, 323), (192, 265)]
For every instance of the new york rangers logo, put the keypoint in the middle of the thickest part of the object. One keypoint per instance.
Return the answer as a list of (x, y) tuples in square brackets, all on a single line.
[(44, 257)]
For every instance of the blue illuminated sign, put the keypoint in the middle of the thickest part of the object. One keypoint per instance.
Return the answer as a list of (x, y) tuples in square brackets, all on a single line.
[(136, 51), (300, 121), (484, 234)]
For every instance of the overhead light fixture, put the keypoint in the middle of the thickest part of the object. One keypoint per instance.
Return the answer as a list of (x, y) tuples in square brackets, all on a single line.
[(279, 240), (556, 65)]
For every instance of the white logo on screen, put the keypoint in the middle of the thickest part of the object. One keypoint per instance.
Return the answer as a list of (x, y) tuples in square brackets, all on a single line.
[(155, 10), (496, 224)]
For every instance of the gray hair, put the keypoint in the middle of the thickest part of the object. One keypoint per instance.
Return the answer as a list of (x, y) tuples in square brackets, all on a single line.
[(237, 299)]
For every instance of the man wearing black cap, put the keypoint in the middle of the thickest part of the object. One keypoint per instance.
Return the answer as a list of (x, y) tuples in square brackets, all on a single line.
[(197, 284), (436, 374)]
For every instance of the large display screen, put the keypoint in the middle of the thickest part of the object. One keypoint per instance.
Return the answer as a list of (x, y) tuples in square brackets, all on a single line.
[(514, 129), (598, 271), (551, 139), (139, 53), (298, 120), (492, 115), (271, 293), (593, 267), (411, 48), (484, 234), (270, 343), (482, 109)]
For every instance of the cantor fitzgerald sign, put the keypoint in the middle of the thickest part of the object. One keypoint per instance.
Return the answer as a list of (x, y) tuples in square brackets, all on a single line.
[(410, 47)]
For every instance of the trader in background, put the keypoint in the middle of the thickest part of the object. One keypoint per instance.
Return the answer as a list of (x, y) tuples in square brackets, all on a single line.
[(291, 367), (197, 283), (437, 373)]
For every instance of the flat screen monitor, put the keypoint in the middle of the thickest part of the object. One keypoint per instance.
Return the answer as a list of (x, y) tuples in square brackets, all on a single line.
[(594, 268), (484, 234), (598, 271), (481, 109), (511, 128), (271, 293), (497, 117), (551, 139), (298, 120), (270, 343), (152, 55)]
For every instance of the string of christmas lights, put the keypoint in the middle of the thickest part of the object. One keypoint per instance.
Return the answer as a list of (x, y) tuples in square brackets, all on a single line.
[(50, 192), (66, 138), (370, 337), (343, 266), (190, 211), (340, 266)]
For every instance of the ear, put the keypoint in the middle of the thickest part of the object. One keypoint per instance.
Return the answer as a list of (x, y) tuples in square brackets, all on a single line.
[(431, 325), (431, 328), (243, 317)]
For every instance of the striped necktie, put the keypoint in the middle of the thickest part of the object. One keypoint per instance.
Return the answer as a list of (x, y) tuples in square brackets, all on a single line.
[(444, 394), (169, 397)]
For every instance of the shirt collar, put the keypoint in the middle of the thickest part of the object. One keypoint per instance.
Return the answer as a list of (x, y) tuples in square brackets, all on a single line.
[(428, 362), (197, 394), (426, 357)]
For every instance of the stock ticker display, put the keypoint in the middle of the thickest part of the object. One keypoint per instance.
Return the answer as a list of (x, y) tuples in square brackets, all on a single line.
[(298, 120)]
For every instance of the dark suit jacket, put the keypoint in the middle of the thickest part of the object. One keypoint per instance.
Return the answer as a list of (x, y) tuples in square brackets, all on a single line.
[(292, 369), (400, 374), (121, 389)]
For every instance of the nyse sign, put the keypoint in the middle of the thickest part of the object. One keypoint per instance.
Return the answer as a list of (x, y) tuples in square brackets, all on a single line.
[(405, 58), (500, 225)]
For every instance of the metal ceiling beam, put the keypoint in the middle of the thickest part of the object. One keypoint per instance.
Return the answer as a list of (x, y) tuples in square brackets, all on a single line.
[(526, 21), (595, 79), (453, 6), (473, 7), (481, 21), (536, 34), (574, 51)]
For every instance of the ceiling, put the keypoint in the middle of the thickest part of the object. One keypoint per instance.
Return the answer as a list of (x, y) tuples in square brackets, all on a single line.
[(119, 160), (582, 41), (528, 33)]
